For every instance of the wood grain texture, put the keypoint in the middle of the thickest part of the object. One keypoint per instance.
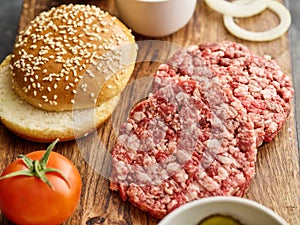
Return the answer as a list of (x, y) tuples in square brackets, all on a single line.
[(276, 183)]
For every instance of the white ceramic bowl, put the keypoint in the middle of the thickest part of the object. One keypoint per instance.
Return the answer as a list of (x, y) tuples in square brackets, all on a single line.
[(155, 18), (246, 211)]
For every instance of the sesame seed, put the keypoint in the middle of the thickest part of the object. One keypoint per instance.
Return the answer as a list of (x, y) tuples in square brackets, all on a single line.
[(103, 23), (53, 102), (84, 87), (25, 90), (90, 73), (79, 33)]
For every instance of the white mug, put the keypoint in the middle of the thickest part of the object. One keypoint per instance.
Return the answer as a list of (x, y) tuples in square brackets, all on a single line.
[(155, 18)]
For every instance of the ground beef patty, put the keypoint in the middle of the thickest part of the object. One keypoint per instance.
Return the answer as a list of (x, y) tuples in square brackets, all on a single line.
[(258, 82), (188, 140)]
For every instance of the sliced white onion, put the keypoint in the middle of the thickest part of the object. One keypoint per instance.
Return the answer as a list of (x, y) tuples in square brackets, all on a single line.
[(285, 22), (249, 8)]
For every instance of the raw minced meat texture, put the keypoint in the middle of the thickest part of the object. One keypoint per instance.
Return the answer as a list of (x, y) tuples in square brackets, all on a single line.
[(257, 81), (191, 138)]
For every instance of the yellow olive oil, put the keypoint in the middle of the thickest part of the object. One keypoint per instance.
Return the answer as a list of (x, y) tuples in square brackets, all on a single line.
[(219, 219)]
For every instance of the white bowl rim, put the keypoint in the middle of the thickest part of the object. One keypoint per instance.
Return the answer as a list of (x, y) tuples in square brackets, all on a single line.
[(215, 199)]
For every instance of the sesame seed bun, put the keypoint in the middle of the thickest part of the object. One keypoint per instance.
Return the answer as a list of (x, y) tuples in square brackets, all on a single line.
[(72, 57), (39, 125)]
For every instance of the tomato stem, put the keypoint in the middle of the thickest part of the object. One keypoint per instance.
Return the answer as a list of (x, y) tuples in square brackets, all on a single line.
[(44, 160), (38, 168), (28, 162)]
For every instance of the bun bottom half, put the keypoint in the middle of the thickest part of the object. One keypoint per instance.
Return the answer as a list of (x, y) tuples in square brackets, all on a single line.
[(38, 125)]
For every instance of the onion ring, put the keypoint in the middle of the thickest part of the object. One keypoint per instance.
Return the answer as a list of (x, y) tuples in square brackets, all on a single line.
[(285, 22), (250, 8)]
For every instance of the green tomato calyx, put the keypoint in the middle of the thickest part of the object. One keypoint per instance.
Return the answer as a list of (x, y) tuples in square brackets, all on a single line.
[(38, 168)]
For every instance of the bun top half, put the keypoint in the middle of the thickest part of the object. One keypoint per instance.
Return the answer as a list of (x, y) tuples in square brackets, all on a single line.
[(72, 57)]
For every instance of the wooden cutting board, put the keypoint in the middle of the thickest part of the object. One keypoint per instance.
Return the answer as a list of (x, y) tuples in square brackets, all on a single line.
[(276, 184)]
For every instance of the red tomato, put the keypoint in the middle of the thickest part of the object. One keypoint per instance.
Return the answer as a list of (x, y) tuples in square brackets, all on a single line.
[(27, 200)]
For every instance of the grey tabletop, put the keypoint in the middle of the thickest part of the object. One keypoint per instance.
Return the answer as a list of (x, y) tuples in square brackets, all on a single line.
[(9, 19)]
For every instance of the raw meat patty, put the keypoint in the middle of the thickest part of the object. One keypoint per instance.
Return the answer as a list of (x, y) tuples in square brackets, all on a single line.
[(258, 82), (188, 140)]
